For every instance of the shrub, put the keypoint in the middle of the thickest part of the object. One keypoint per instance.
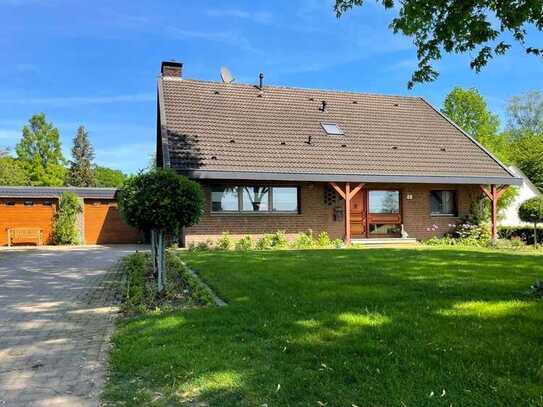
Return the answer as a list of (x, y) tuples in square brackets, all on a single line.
[(265, 242), (472, 235), (201, 246), (225, 242), (199, 293), (136, 291), (514, 243), (279, 240), (323, 240), (338, 243), (304, 240), (524, 233), (244, 244), (65, 230)]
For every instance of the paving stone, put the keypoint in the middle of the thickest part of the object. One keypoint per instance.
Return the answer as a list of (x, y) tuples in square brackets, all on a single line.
[(57, 312)]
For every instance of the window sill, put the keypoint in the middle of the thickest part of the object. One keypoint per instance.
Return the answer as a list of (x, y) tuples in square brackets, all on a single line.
[(444, 215)]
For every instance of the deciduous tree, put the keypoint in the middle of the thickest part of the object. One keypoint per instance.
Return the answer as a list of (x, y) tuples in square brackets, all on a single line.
[(160, 201), (40, 153), (12, 172), (108, 177), (532, 211), (468, 109), (479, 27)]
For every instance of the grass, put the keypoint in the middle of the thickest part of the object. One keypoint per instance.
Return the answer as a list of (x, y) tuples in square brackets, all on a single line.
[(379, 327)]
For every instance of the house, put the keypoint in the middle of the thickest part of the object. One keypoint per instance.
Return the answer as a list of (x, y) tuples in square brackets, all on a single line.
[(509, 216), (354, 165), (34, 209)]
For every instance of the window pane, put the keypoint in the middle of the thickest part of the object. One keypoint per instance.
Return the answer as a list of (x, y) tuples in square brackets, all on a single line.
[(443, 202), (332, 128), (255, 199), (224, 199), (285, 199), (383, 229), (384, 201)]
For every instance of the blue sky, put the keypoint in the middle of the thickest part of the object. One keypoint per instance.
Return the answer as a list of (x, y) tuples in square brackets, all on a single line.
[(95, 63)]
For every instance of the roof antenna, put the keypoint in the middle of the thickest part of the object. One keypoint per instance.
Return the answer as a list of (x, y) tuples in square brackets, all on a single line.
[(260, 81), (309, 140), (323, 107), (226, 75)]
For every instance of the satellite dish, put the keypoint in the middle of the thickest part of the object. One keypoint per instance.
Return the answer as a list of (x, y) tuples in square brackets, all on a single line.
[(226, 75)]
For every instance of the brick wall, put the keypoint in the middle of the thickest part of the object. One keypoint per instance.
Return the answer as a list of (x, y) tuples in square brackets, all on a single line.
[(318, 216), (315, 215)]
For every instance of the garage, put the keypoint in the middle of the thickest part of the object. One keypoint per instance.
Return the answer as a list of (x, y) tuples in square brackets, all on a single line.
[(27, 213), (27, 216), (103, 224)]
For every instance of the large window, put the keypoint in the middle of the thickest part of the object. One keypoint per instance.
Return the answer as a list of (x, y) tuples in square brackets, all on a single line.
[(384, 201), (224, 199), (254, 198), (443, 203)]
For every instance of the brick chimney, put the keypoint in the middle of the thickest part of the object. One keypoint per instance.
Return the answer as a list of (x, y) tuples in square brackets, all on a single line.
[(171, 68)]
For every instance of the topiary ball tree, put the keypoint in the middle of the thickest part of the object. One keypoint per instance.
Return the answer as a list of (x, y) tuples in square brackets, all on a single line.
[(160, 201), (532, 211)]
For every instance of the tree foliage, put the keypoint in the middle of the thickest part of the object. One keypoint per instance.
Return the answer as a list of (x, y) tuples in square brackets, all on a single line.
[(160, 201), (526, 113), (108, 177), (40, 154), (532, 211), (469, 110), (527, 153), (81, 172), (12, 172), (65, 230), (459, 26)]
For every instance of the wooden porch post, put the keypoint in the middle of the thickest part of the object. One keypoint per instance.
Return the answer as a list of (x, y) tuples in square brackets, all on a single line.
[(348, 213), (494, 194), (347, 196)]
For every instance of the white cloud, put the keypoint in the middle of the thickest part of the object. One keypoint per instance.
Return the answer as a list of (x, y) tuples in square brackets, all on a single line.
[(9, 135), (81, 100)]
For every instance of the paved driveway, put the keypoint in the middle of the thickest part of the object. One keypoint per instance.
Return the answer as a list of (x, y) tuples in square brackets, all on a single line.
[(55, 319)]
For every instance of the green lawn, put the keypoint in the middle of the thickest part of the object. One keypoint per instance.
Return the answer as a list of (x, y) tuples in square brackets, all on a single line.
[(380, 327)]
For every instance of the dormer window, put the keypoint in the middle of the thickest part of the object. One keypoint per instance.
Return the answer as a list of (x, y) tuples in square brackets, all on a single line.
[(332, 129)]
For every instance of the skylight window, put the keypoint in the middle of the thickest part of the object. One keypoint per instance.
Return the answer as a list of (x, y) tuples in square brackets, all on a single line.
[(332, 129)]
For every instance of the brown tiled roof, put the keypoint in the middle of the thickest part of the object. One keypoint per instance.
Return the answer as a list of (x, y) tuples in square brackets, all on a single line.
[(218, 127)]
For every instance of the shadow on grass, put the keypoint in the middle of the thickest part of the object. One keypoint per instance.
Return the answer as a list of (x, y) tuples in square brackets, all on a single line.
[(370, 327)]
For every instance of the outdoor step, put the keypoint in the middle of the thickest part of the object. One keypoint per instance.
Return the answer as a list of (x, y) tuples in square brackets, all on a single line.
[(384, 241)]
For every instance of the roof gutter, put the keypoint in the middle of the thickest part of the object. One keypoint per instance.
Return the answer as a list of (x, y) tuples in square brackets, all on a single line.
[(316, 177)]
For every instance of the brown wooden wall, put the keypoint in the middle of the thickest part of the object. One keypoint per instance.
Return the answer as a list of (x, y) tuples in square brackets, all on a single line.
[(38, 215), (104, 224)]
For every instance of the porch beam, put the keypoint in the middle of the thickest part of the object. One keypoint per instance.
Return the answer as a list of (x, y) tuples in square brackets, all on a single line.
[(338, 189), (356, 190)]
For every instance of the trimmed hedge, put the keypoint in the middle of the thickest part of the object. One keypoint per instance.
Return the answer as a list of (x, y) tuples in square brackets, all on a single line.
[(525, 233)]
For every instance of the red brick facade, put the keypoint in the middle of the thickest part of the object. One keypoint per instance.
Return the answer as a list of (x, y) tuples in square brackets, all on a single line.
[(318, 216)]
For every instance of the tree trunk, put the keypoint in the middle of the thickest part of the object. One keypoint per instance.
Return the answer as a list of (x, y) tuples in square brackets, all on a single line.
[(535, 234)]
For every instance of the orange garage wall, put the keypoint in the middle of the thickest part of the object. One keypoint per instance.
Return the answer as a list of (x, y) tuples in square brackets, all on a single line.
[(38, 215), (104, 224)]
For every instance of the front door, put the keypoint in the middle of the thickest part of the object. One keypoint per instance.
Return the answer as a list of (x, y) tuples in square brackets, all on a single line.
[(358, 214)]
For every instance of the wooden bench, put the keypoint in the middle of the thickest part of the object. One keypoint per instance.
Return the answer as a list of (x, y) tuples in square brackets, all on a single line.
[(25, 235)]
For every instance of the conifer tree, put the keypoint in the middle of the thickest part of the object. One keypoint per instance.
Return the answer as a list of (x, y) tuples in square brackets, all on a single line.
[(81, 172)]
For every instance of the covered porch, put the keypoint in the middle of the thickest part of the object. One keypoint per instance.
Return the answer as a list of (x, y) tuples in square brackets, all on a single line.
[(377, 213)]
